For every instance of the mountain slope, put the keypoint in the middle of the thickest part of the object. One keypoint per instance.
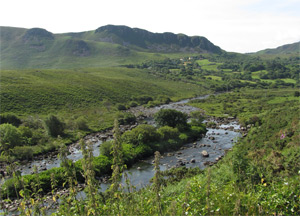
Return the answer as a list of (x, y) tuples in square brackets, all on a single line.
[(293, 48), (106, 46)]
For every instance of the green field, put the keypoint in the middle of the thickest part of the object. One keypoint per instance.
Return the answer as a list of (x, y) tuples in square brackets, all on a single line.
[(207, 65), (214, 77)]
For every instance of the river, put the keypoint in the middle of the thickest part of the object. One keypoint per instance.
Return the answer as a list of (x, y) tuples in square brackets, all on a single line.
[(215, 143)]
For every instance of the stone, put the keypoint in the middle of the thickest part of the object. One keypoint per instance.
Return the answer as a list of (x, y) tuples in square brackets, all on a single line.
[(193, 160), (205, 154)]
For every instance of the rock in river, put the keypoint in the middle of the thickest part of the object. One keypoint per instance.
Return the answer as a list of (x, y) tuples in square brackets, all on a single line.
[(204, 153)]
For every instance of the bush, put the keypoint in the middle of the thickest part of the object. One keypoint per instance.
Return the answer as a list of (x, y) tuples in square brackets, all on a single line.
[(10, 136), (196, 131), (168, 132), (81, 124), (54, 126), (197, 118), (142, 99), (23, 152), (102, 165), (142, 134), (106, 148), (172, 118), (26, 134), (133, 104), (121, 107), (163, 99), (126, 118), (141, 151), (11, 119)]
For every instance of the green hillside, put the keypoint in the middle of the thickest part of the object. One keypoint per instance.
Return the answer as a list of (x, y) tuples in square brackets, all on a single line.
[(293, 48), (107, 46)]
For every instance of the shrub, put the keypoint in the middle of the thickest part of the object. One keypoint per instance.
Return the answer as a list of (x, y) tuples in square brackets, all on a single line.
[(54, 126), (23, 152), (197, 118), (106, 148), (172, 118), (126, 118), (81, 124), (11, 119), (133, 104), (10, 136), (142, 134), (143, 99), (168, 132), (142, 151), (121, 107), (102, 165), (26, 135)]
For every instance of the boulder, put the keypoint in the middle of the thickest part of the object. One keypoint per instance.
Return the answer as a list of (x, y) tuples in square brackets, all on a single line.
[(205, 154)]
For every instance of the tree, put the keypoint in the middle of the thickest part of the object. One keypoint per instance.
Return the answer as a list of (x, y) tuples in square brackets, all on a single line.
[(172, 118), (10, 136), (54, 126)]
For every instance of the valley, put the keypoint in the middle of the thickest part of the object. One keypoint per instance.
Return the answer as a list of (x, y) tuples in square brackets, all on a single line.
[(164, 107)]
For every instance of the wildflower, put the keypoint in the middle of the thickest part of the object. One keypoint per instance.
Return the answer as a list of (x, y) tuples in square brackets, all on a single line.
[(286, 183), (282, 136)]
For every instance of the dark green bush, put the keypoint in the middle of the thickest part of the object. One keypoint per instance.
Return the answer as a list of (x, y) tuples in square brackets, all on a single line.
[(126, 118), (121, 107), (172, 118), (54, 126), (11, 119)]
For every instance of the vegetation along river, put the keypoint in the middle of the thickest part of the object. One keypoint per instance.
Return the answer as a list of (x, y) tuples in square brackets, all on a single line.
[(216, 141)]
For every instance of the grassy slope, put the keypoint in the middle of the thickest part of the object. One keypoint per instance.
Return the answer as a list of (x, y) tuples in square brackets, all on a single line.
[(27, 92)]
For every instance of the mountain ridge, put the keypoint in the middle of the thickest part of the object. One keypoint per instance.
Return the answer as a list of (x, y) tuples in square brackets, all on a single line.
[(107, 45)]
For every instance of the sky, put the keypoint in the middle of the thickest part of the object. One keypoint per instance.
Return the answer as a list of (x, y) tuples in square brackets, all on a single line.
[(234, 25)]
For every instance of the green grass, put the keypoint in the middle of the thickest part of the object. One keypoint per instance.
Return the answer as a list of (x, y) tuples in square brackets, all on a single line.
[(203, 62), (256, 75), (246, 103), (214, 77), (208, 65), (287, 80), (280, 100)]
